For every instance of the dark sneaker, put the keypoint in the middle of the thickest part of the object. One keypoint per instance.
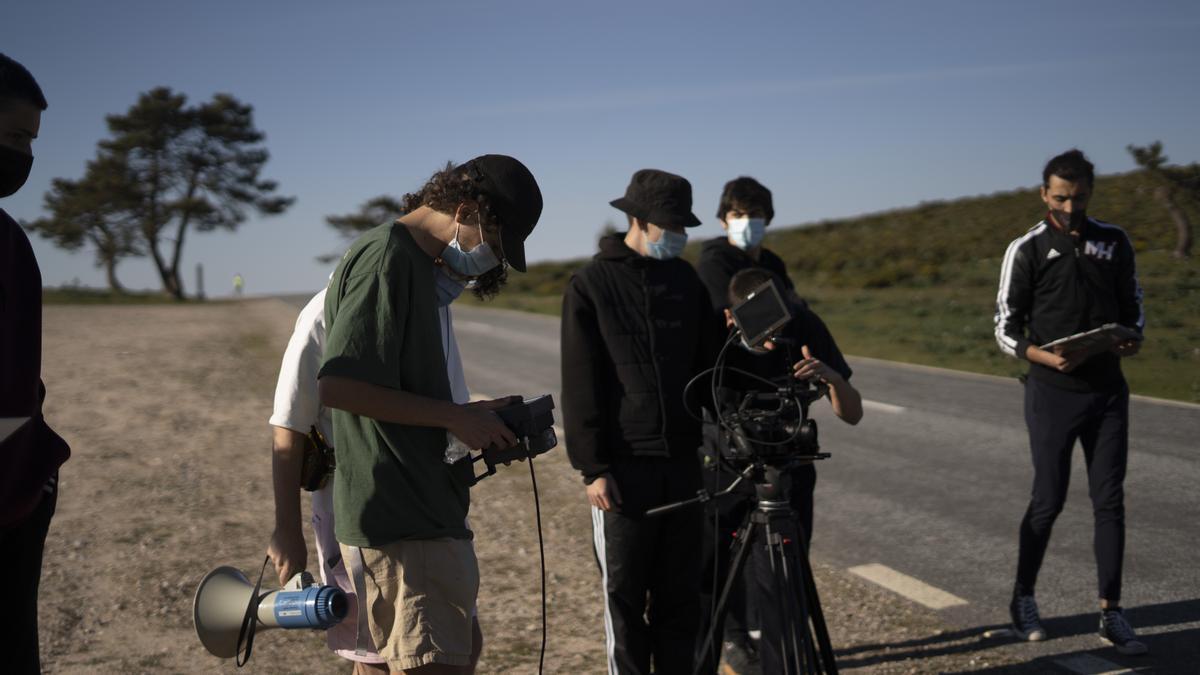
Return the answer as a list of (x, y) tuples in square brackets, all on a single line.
[(739, 657), (1025, 620), (1115, 630)]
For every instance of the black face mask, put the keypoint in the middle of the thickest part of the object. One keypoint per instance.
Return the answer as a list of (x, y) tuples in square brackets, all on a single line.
[(1073, 222), (14, 170)]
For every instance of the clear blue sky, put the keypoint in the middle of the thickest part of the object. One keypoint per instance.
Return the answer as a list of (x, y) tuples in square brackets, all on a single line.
[(840, 108)]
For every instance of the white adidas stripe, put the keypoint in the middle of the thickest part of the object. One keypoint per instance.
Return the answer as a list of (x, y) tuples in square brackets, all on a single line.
[(601, 555), (1007, 344)]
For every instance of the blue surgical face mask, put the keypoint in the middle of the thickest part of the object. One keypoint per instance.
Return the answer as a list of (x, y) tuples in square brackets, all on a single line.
[(746, 233), (448, 288), (668, 246), (469, 263)]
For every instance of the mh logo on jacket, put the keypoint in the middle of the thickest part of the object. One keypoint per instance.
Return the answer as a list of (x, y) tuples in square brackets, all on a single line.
[(1100, 250)]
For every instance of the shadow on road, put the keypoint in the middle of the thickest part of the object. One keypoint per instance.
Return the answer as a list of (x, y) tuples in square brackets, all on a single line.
[(1171, 652)]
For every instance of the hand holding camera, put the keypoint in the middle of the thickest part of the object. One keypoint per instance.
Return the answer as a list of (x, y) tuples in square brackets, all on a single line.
[(478, 427)]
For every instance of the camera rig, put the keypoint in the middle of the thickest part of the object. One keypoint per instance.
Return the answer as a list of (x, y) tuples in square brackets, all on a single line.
[(531, 421)]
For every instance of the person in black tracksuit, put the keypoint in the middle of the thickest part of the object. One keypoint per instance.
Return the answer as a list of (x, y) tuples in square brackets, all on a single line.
[(1068, 274), (635, 329)]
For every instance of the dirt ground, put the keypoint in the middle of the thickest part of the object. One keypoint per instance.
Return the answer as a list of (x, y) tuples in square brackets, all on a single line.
[(166, 408)]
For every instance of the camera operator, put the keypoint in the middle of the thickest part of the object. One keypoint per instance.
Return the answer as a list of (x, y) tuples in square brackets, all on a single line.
[(400, 512), (745, 211), (820, 361)]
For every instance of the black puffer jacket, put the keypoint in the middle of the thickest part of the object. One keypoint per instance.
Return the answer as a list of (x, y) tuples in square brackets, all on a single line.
[(720, 260), (634, 331)]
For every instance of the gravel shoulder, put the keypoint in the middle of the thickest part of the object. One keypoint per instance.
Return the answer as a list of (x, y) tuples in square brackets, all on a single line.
[(165, 408)]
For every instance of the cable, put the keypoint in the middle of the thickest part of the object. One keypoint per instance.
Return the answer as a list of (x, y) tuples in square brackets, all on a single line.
[(537, 508)]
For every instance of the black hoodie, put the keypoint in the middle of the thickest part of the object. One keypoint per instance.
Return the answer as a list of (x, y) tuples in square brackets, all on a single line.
[(720, 260), (634, 331)]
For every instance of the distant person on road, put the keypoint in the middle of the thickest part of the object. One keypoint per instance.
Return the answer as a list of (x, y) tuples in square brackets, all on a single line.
[(238, 284), (1067, 274), (30, 451), (634, 323), (388, 375)]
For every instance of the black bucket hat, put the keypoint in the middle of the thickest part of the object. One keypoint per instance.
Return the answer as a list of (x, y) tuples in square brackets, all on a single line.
[(658, 197), (515, 198)]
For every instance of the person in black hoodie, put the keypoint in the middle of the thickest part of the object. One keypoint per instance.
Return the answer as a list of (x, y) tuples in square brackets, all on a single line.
[(636, 327), (1068, 274), (30, 451), (745, 212)]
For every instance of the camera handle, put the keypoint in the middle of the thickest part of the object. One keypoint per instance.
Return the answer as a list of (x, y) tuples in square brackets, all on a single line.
[(702, 495)]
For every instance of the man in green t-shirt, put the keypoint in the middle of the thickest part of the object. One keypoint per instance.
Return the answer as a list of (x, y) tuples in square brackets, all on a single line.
[(399, 512)]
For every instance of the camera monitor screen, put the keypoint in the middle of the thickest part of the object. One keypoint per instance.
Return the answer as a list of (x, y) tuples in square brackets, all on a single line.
[(761, 314)]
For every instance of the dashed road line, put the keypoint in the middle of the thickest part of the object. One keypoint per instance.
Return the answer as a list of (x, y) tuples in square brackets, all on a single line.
[(1086, 664), (914, 589), (883, 407)]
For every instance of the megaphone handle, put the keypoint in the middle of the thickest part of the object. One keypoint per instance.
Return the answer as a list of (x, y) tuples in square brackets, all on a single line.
[(250, 620)]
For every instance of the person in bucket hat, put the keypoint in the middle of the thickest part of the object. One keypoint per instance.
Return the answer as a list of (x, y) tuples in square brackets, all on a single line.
[(636, 327)]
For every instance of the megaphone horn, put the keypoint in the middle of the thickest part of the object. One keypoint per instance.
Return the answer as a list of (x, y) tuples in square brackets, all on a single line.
[(224, 595)]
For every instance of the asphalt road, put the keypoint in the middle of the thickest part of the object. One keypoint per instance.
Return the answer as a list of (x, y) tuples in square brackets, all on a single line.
[(933, 484)]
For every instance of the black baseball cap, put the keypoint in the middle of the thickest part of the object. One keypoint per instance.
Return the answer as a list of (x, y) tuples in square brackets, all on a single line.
[(658, 197), (514, 197)]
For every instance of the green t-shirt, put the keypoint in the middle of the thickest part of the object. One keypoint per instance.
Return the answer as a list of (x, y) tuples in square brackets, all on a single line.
[(382, 327)]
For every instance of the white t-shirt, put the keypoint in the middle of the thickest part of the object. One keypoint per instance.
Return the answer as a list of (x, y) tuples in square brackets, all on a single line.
[(298, 407)]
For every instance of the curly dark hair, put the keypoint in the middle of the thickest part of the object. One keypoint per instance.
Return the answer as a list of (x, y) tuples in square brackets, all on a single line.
[(1070, 166), (443, 192)]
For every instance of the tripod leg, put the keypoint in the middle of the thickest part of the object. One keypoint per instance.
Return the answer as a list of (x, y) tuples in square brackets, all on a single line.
[(817, 616), (741, 546), (795, 642)]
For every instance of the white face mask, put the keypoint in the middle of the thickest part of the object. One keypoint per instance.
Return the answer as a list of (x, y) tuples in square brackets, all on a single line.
[(469, 263), (746, 233)]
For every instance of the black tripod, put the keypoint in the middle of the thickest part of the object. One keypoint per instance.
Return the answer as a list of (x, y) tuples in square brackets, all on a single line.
[(795, 640)]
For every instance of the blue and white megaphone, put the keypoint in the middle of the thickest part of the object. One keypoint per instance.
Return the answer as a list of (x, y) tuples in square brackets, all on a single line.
[(225, 598)]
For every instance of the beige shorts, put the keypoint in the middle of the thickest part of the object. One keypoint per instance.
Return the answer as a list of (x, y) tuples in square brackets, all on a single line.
[(420, 599)]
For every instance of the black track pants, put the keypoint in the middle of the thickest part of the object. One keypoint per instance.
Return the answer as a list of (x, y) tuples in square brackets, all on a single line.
[(21, 570), (650, 568), (1100, 421)]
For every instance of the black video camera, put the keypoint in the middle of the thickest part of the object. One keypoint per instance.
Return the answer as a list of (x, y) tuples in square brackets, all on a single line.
[(767, 419), (531, 421)]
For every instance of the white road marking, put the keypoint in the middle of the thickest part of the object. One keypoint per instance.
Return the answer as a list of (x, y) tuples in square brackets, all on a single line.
[(913, 589), (883, 407), (1086, 664)]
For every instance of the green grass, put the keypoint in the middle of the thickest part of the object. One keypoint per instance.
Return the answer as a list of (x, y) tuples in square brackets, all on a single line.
[(92, 296), (950, 326), (918, 284)]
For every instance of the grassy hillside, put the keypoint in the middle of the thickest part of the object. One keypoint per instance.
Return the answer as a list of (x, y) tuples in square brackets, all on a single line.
[(918, 284)]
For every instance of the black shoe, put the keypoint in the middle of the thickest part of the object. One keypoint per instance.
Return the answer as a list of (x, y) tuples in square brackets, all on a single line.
[(739, 657), (1115, 630), (1025, 620)]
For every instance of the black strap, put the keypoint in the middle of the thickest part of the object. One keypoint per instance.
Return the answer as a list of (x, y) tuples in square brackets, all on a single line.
[(250, 620)]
